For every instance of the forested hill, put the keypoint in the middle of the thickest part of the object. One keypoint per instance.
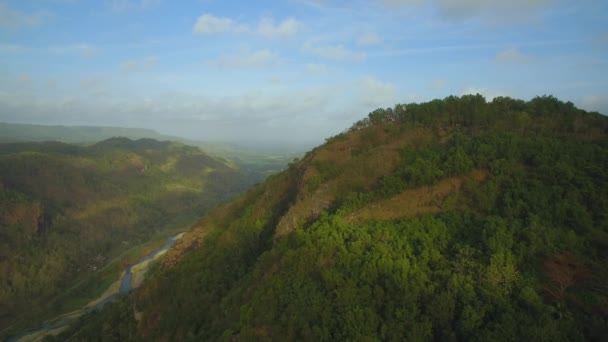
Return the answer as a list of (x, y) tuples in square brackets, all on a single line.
[(257, 161), (66, 211), (456, 219)]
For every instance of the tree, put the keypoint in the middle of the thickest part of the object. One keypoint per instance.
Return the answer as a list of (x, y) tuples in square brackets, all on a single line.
[(564, 271)]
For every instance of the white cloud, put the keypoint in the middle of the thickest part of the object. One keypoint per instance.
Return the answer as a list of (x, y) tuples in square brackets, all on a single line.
[(130, 5), (331, 5), (489, 94), (12, 49), (511, 56), (376, 93), (143, 64), (598, 103), (276, 81), (293, 114), (338, 53), (316, 68), (469, 8), (439, 84), (208, 24), (63, 2), (84, 50), (266, 27), (369, 39), (314, 3), (601, 40), (94, 87), (402, 3), (459, 9), (90, 83), (88, 50), (260, 58), (24, 79), (14, 19), (288, 27)]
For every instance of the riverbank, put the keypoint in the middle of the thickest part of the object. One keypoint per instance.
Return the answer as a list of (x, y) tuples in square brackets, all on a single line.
[(132, 277), (140, 269)]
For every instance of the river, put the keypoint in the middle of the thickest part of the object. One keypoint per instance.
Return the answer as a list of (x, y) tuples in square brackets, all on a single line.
[(126, 282)]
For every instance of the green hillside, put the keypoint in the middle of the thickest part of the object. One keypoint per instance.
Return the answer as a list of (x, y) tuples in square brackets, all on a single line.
[(257, 162), (67, 211), (456, 219)]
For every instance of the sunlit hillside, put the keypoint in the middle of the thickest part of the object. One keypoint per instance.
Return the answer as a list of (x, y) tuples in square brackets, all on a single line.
[(456, 219), (67, 211)]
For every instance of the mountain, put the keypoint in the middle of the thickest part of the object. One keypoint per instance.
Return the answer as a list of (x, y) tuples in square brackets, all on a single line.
[(456, 219), (67, 211), (258, 160), (12, 132)]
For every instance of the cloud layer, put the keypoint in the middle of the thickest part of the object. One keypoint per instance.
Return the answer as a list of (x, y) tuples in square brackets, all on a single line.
[(511, 55), (459, 9), (14, 19), (208, 24), (301, 69), (142, 64), (337, 52), (260, 58)]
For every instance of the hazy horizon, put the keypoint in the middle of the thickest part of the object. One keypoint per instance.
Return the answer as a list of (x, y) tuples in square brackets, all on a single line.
[(298, 70)]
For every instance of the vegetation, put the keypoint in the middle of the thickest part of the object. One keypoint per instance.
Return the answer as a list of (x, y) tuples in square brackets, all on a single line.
[(67, 212), (456, 219), (257, 162)]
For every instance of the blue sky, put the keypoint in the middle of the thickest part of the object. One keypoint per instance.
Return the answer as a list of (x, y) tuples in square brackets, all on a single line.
[(297, 70)]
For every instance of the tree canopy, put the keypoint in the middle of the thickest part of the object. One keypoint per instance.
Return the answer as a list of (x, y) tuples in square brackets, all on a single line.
[(515, 253)]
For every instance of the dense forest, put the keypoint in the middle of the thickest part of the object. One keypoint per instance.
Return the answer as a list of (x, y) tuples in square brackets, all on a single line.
[(67, 211), (455, 219)]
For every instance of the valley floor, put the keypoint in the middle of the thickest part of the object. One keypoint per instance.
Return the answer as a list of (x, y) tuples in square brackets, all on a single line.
[(131, 278)]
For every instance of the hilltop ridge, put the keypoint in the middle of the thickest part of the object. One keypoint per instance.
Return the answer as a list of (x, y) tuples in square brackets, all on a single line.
[(447, 220)]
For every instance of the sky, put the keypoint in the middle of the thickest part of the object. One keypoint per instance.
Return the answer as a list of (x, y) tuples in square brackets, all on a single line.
[(287, 71)]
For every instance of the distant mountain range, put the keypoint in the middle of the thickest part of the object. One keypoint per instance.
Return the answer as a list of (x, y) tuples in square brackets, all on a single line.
[(11, 132), (260, 159)]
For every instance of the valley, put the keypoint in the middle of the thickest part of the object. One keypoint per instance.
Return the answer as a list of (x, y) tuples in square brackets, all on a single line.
[(131, 278), (72, 216)]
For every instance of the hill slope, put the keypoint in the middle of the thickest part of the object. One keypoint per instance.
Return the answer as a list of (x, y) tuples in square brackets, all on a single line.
[(66, 210), (257, 161), (455, 219)]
